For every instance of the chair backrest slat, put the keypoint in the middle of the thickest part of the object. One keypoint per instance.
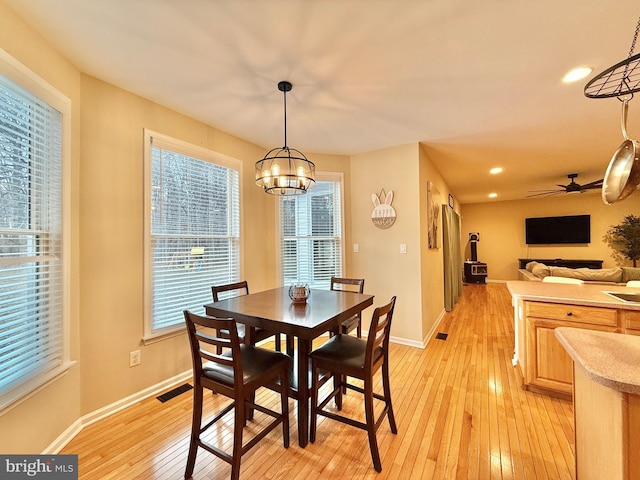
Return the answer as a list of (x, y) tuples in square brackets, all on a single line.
[(242, 287), (380, 329), (203, 331), (347, 284)]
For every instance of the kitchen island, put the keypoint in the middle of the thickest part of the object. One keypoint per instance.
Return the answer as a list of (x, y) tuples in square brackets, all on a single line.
[(606, 402), (540, 308)]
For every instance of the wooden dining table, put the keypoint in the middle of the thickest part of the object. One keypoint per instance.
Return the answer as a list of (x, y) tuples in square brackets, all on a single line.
[(273, 310)]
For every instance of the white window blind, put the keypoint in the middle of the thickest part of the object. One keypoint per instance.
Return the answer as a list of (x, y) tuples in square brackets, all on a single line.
[(194, 241), (32, 343), (311, 235)]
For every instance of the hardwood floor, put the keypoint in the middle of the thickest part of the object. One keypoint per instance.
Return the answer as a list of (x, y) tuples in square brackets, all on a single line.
[(460, 410)]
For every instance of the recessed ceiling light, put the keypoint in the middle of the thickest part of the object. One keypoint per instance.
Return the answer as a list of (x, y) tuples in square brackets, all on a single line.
[(493, 195), (577, 74), (495, 170)]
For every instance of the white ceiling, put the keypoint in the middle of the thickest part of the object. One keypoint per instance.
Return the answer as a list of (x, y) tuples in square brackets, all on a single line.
[(477, 83)]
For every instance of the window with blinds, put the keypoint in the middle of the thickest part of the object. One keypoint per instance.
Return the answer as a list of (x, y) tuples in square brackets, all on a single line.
[(311, 235), (32, 324), (194, 230)]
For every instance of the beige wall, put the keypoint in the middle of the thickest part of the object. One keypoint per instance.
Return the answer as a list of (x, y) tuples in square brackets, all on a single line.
[(431, 265), (111, 240), (34, 423), (501, 227), (415, 277), (386, 271)]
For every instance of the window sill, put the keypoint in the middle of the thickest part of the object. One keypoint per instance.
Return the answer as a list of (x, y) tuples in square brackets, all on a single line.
[(154, 338)]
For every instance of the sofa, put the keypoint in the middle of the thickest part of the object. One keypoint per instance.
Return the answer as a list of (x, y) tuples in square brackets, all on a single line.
[(535, 271)]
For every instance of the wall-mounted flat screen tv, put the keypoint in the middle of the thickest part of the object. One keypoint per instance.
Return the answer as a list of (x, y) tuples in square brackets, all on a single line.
[(565, 229)]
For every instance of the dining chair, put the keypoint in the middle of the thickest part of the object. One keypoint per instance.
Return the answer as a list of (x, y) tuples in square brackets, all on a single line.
[(349, 285), (344, 356), (237, 289), (633, 284), (551, 279), (236, 373)]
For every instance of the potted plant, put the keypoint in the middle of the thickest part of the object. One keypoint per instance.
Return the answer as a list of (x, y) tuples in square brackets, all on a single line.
[(624, 239)]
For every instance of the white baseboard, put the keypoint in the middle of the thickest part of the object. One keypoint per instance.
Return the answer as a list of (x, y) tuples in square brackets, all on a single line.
[(407, 342), (86, 420), (434, 328), (398, 340), (59, 443)]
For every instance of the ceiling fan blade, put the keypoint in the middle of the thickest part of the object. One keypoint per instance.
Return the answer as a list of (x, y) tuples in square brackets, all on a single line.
[(545, 192), (562, 186), (595, 184), (548, 190)]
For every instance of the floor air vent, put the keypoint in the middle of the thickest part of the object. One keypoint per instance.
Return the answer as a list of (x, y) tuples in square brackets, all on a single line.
[(442, 336), (174, 393)]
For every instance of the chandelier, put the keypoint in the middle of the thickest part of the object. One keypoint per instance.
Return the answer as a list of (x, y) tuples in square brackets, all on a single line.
[(284, 170)]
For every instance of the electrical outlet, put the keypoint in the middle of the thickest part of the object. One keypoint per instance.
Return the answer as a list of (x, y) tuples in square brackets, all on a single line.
[(134, 358)]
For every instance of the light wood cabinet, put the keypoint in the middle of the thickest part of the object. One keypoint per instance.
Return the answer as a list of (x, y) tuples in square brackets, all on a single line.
[(540, 308), (548, 366), (573, 313), (631, 322)]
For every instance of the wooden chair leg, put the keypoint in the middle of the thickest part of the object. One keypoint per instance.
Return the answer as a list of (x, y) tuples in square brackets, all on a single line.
[(371, 424), (387, 396), (277, 339), (248, 410), (196, 423), (290, 345), (359, 329), (284, 405), (338, 381), (314, 402), (236, 455)]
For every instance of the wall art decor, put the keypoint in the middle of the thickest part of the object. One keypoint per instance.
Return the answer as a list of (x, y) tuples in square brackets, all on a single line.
[(433, 216), (383, 215)]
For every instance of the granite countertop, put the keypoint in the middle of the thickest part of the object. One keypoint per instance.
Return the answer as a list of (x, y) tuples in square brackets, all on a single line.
[(610, 359), (586, 294)]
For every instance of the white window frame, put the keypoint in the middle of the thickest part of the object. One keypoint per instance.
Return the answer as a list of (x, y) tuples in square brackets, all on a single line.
[(335, 177), (151, 138), (20, 75)]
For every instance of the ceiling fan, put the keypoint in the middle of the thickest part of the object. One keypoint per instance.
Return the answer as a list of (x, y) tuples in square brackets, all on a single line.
[(571, 187)]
